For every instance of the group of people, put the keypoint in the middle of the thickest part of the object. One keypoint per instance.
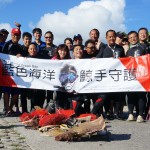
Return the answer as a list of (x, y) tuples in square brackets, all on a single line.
[(111, 105)]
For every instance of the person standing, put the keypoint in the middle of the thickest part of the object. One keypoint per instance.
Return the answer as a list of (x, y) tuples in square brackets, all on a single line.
[(4, 34), (49, 48), (12, 47), (136, 99), (37, 95), (77, 39), (69, 42), (37, 33), (25, 93), (90, 49), (95, 35), (112, 50), (143, 37), (62, 53), (49, 51), (27, 39)]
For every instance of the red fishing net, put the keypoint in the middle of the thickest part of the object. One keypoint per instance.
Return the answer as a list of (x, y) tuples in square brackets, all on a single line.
[(52, 119), (68, 113), (93, 117), (39, 113)]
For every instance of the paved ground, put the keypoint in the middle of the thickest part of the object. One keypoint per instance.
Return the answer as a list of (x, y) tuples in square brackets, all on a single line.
[(123, 135)]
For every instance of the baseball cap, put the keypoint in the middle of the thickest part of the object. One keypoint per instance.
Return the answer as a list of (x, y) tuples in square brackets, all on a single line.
[(4, 31), (16, 31), (120, 35), (77, 36)]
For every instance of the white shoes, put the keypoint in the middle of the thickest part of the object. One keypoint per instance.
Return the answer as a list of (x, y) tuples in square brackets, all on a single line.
[(139, 119), (131, 117)]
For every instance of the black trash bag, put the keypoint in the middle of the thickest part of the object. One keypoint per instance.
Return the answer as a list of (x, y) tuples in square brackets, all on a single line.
[(51, 107)]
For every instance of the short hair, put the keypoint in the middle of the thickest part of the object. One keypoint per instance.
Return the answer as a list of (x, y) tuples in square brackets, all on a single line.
[(33, 44), (82, 47), (143, 28), (131, 32), (97, 31), (37, 30), (49, 33), (27, 34), (111, 31), (69, 39), (89, 41)]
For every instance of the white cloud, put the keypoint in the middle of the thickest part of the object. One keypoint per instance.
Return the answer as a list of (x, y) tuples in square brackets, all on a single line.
[(100, 14), (6, 1)]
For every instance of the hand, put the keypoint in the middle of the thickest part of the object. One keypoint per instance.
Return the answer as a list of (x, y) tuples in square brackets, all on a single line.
[(98, 44), (17, 24), (18, 55), (93, 58)]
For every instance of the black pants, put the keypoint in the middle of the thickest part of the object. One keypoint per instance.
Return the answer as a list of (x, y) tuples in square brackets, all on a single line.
[(62, 100), (37, 98), (25, 93), (138, 100), (83, 104), (98, 102), (49, 95), (114, 100)]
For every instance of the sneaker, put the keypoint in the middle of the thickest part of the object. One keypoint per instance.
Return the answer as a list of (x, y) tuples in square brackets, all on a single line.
[(139, 119), (131, 117)]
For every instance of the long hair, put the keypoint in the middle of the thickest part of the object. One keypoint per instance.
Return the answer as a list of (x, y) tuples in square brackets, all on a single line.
[(62, 47)]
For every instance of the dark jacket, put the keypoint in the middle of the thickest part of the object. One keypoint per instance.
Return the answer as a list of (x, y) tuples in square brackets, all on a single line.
[(138, 47), (86, 55), (101, 49), (109, 52), (12, 48), (49, 50)]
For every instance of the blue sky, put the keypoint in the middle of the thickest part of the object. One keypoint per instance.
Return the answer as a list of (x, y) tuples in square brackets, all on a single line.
[(68, 17)]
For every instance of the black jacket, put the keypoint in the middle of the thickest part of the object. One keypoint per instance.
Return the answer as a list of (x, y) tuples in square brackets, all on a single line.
[(109, 52), (131, 51), (12, 48)]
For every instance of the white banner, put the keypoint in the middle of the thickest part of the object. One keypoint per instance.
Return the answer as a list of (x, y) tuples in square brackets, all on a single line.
[(81, 76)]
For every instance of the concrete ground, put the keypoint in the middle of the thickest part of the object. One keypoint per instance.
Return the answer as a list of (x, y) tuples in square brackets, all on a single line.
[(123, 135)]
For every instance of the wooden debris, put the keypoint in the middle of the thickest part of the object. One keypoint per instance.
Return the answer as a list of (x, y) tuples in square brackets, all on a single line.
[(83, 129)]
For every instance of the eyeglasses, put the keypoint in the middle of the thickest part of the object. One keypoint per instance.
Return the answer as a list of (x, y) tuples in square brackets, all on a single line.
[(48, 37)]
